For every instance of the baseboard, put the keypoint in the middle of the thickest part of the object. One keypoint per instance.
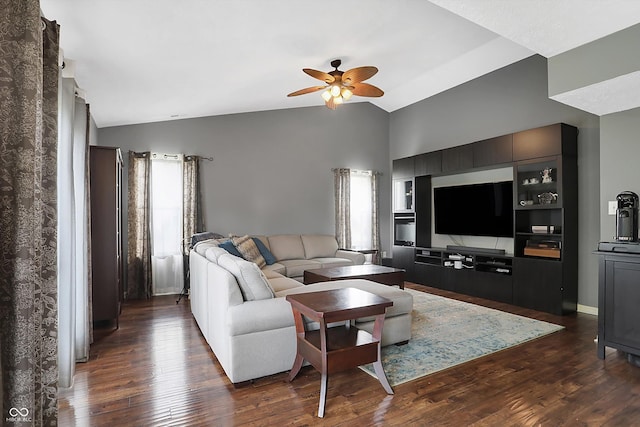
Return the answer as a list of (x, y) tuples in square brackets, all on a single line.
[(587, 309)]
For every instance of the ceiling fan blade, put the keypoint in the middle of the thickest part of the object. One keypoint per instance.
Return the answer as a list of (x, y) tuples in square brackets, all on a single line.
[(307, 90), (331, 104), (365, 89), (320, 75), (357, 75)]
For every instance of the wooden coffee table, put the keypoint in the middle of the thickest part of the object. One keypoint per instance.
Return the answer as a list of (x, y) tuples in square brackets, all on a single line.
[(335, 349), (375, 273)]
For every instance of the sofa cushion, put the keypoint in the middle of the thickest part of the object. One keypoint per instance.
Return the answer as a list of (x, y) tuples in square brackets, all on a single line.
[(286, 246), (333, 262), (282, 283), (319, 245), (277, 267), (296, 267), (253, 284), (201, 247), (249, 250), (213, 253), (228, 246), (264, 251)]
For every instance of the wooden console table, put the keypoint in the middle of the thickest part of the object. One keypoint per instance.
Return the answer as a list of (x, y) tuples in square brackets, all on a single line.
[(335, 349)]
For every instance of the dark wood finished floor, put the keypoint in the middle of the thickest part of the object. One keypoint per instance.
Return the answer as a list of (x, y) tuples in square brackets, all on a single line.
[(157, 370)]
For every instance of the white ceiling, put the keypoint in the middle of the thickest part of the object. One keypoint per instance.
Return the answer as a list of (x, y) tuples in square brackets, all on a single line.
[(153, 60)]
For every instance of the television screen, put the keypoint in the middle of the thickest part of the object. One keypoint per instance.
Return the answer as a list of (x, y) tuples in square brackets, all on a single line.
[(474, 210)]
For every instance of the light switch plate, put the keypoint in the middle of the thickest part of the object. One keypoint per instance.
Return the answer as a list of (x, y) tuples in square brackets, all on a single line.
[(613, 205)]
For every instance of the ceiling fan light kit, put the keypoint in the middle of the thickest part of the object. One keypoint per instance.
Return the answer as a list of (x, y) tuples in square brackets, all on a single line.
[(341, 85)]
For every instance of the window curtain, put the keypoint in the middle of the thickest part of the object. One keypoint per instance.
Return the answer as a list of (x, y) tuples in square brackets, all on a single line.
[(74, 289), (138, 235), (28, 217), (342, 194), (192, 202)]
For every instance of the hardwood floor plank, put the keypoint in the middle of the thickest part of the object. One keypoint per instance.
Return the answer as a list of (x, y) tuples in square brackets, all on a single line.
[(157, 370)]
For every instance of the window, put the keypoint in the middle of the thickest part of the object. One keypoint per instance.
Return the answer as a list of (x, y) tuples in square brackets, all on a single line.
[(361, 210), (166, 224)]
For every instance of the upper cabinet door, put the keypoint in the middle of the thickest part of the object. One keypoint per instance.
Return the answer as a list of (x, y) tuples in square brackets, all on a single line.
[(428, 163), (457, 158), (493, 151), (546, 141), (403, 168)]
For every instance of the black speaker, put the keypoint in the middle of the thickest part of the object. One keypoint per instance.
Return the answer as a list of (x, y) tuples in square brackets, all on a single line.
[(627, 217)]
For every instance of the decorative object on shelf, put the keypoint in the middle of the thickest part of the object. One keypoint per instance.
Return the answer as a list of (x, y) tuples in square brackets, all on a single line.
[(543, 229), (341, 85), (547, 198), (526, 202), (546, 175)]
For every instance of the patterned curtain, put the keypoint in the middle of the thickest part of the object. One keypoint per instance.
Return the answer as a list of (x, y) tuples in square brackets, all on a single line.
[(192, 202), (375, 218), (342, 194), (138, 240), (28, 218)]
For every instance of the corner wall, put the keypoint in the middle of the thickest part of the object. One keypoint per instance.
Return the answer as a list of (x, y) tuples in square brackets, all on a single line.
[(508, 100)]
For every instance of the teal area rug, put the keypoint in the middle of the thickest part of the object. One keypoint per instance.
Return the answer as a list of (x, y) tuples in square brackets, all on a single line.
[(447, 332)]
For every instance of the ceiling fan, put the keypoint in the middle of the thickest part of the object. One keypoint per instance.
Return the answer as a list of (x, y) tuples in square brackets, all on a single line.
[(341, 85)]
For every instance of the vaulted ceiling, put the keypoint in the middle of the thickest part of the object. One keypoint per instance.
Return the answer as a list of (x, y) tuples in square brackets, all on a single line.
[(153, 60)]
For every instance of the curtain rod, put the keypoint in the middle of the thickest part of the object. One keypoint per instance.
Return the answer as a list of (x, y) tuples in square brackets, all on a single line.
[(359, 171), (175, 156)]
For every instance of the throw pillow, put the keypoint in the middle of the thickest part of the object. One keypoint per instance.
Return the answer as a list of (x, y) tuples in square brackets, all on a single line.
[(252, 282), (230, 247), (247, 247), (264, 251)]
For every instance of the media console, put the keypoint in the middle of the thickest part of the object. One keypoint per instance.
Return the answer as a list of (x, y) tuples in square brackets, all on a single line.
[(542, 273), (476, 273)]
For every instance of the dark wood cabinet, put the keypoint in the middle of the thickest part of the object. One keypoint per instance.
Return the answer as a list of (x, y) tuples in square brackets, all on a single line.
[(423, 210), (618, 302), (403, 258), (540, 280), (403, 168), (538, 284), (493, 151), (544, 142), (428, 163), (456, 159), (105, 172)]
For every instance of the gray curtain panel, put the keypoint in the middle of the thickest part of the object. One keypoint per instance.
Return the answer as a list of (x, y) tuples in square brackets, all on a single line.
[(342, 194), (138, 236), (191, 204), (28, 217)]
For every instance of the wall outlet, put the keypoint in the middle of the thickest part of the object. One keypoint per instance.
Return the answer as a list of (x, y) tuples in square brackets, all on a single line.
[(613, 206), (384, 254)]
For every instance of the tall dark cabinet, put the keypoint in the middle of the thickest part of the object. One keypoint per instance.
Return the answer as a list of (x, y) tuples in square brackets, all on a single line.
[(105, 172), (545, 195), (542, 273)]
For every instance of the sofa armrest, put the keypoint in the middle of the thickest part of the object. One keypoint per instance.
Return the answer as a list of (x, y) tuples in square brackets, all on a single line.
[(355, 257), (260, 315)]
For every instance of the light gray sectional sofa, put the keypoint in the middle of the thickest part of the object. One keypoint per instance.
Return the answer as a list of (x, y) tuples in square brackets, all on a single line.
[(242, 312)]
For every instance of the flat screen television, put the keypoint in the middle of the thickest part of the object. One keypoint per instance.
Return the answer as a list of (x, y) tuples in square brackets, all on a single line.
[(474, 210)]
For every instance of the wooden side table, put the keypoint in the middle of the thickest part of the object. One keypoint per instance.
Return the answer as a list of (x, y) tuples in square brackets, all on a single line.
[(335, 349)]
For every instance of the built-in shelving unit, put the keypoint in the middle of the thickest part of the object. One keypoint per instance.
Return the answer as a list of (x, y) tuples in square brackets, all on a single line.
[(542, 272)]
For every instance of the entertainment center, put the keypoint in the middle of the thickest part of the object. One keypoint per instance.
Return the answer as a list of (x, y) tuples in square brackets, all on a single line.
[(538, 209)]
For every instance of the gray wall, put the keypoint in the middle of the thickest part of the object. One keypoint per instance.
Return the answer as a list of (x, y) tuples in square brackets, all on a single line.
[(271, 171), (619, 160), (511, 99)]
